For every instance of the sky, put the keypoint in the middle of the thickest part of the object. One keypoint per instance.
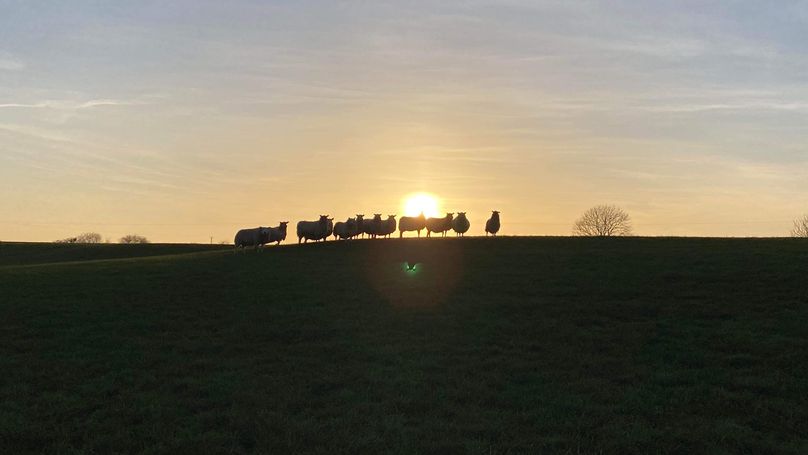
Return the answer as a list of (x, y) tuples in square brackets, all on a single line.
[(187, 120)]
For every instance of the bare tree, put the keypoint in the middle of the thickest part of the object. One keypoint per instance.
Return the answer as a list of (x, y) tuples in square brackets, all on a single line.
[(603, 221), (133, 238), (800, 228), (87, 237)]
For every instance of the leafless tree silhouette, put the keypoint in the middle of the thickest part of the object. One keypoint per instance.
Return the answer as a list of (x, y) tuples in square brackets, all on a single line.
[(133, 238), (800, 228), (603, 221), (87, 237)]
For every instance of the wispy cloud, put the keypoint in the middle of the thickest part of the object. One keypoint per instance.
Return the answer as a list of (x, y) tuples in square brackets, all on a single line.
[(741, 106), (72, 105), (10, 63), (38, 133)]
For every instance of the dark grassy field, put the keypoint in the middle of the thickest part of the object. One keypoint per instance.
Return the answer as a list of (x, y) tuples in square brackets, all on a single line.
[(509, 345), (20, 253)]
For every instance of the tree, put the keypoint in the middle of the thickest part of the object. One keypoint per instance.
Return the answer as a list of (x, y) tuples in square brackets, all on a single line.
[(800, 228), (133, 238), (87, 237), (603, 221)]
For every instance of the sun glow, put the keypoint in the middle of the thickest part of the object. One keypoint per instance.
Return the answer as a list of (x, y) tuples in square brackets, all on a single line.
[(416, 203)]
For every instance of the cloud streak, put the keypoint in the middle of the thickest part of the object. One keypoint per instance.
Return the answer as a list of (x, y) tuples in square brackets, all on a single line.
[(67, 105), (9, 63)]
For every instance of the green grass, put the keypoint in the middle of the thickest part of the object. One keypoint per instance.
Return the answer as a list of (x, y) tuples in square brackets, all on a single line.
[(508, 345)]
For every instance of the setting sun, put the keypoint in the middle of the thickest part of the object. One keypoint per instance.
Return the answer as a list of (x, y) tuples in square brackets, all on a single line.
[(416, 203)]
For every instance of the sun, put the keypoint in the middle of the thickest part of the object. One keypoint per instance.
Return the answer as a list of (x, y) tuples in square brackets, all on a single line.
[(416, 203)]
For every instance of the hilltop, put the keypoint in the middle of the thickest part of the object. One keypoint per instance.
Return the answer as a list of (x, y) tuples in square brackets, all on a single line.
[(624, 345)]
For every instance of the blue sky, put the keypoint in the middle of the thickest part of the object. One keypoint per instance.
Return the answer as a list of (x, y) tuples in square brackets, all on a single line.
[(187, 120)]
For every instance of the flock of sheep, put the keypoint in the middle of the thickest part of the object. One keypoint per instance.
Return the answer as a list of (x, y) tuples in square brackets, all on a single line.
[(325, 227)]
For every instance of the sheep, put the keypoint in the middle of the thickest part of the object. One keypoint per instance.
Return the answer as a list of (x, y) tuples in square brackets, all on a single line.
[(461, 224), (345, 230), (277, 234), (372, 227), (312, 230), (339, 226), (439, 225), (388, 226), (360, 225), (255, 237), (411, 223), (328, 231), (492, 225)]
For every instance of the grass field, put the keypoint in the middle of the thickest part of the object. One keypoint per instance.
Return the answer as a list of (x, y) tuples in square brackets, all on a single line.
[(508, 345)]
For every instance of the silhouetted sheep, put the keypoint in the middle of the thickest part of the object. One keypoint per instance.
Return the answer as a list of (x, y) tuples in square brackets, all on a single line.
[(255, 237), (388, 226), (439, 225), (411, 223), (461, 224), (345, 230), (492, 225), (277, 234), (312, 230)]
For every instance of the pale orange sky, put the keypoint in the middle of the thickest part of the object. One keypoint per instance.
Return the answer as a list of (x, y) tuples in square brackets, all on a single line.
[(193, 120)]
